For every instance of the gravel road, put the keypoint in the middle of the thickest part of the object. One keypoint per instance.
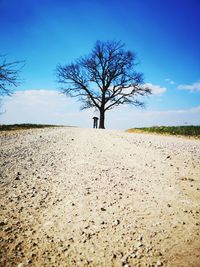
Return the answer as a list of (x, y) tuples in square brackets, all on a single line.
[(90, 197)]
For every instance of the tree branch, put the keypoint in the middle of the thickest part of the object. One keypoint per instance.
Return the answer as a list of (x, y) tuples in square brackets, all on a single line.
[(9, 76), (105, 78)]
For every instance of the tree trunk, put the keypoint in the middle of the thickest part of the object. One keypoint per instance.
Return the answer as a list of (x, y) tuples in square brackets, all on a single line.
[(102, 119)]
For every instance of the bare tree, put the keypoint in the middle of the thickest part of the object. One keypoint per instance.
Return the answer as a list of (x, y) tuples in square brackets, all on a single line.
[(104, 79), (9, 76)]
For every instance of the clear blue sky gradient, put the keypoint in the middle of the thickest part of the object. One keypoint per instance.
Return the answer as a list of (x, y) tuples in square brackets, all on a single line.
[(164, 34)]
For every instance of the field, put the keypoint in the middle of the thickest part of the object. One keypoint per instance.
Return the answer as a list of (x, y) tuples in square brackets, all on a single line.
[(189, 130), (87, 197), (24, 126)]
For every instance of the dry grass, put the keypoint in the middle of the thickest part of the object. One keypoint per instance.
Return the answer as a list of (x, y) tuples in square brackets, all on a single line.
[(189, 130)]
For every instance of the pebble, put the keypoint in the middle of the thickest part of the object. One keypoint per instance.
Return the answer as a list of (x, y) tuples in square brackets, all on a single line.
[(159, 263), (140, 238), (2, 223), (139, 244), (117, 222), (134, 255)]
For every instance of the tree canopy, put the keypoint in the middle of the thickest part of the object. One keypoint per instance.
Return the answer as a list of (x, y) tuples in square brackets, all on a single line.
[(104, 79)]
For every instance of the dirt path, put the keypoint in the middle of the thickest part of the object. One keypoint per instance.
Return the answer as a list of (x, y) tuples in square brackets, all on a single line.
[(83, 197)]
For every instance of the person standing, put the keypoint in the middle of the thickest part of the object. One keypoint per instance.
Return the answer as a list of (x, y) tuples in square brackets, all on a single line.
[(95, 122)]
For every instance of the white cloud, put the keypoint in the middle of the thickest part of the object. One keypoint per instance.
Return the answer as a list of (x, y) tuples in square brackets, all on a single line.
[(50, 107), (125, 117), (43, 106), (170, 81), (156, 89), (191, 87)]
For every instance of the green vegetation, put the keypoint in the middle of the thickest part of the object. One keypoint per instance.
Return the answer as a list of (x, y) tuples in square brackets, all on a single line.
[(24, 126), (189, 130)]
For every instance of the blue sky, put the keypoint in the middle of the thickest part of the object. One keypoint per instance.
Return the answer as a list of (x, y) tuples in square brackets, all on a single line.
[(164, 34)]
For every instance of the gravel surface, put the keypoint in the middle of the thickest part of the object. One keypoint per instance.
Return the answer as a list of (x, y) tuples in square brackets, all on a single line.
[(90, 197)]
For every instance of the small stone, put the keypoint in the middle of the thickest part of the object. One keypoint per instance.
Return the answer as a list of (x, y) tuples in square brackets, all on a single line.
[(2, 223), (103, 209), (134, 255), (139, 244), (8, 229), (159, 253), (117, 222), (159, 263), (148, 249)]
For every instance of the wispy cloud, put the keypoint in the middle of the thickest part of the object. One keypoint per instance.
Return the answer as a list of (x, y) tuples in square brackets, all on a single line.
[(156, 89), (175, 111), (170, 81), (195, 87)]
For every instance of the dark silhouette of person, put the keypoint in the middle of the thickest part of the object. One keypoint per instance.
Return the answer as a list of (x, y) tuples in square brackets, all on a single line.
[(95, 122)]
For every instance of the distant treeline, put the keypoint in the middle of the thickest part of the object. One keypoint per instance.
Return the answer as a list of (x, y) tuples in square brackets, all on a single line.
[(189, 130), (24, 126)]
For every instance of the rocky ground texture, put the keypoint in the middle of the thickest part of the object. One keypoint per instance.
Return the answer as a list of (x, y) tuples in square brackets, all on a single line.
[(90, 197)]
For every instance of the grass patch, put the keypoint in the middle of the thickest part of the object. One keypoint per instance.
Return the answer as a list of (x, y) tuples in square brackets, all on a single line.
[(25, 126), (189, 130)]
